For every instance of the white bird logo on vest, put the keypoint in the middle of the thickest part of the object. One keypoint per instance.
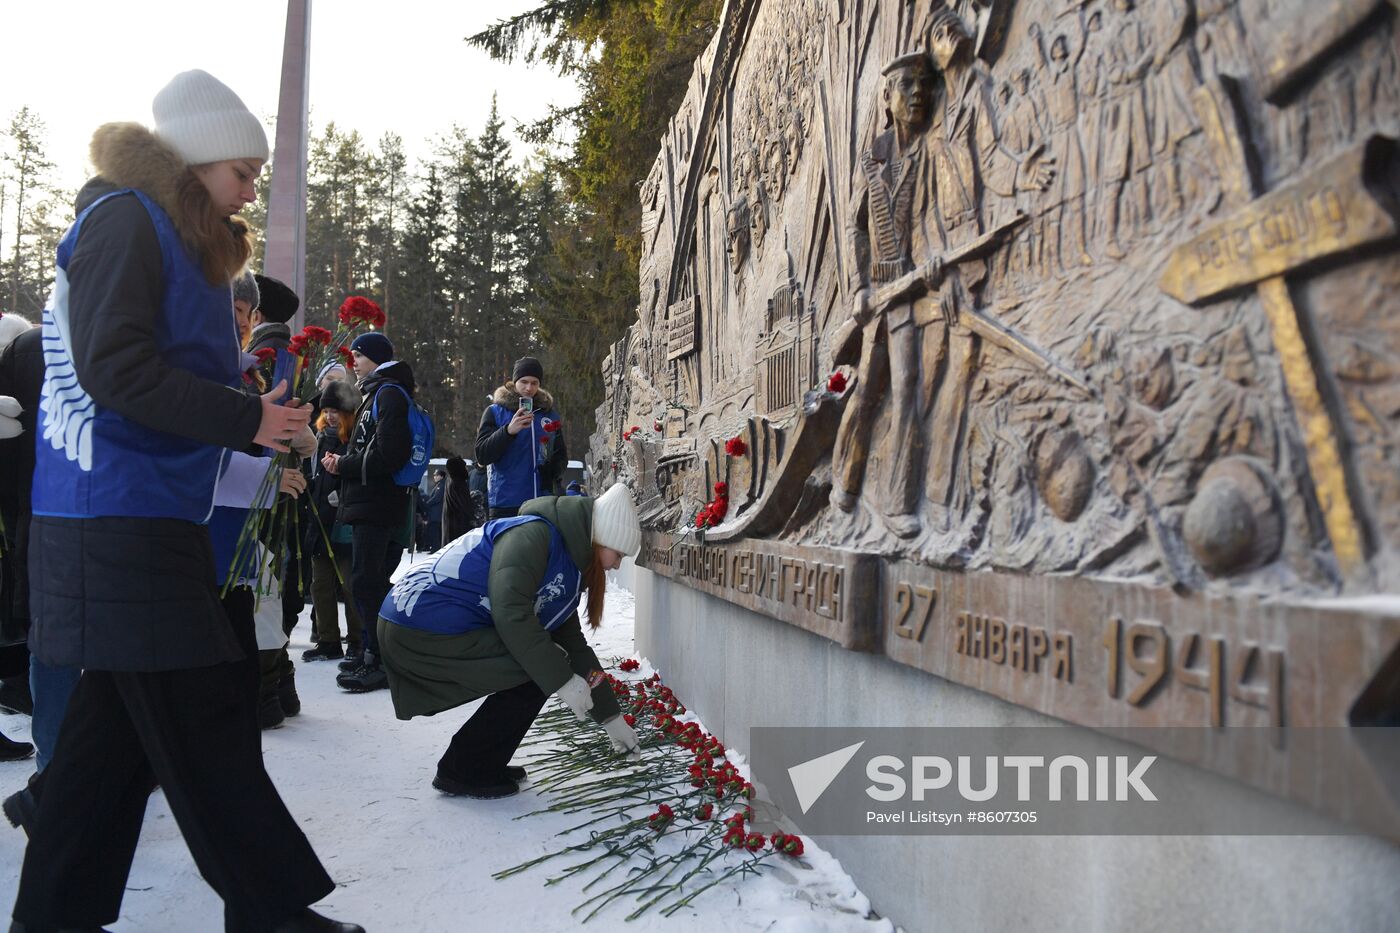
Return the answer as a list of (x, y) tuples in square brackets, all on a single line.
[(68, 409)]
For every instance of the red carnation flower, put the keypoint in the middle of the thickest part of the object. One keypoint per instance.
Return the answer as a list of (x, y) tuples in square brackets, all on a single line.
[(265, 355), (790, 845), (314, 334), (298, 345), (631, 664), (346, 357), (357, 310), (755, 841), (656, 426), (735, 447), (836, 383), (551, 426), (721, 488), (705, 812)]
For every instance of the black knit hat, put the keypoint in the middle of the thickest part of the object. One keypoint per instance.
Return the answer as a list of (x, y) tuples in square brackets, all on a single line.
[(527, 366), (277, 303)]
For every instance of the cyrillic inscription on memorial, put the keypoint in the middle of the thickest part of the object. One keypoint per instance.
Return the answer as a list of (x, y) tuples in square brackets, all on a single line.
[(825, 591), (681, 335), (1346, 204)]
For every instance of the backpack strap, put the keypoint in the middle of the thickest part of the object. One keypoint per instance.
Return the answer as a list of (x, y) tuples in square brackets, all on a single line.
[(374, 403)]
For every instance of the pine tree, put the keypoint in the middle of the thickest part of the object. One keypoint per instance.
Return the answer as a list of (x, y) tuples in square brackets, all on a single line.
[(29, 169)]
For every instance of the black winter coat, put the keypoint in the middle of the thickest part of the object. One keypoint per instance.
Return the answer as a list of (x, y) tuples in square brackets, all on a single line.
[(319, 490), (21, 376), (377, 449), (458, 516)]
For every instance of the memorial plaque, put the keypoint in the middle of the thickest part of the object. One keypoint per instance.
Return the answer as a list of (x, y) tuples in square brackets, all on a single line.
[(1067, 335)]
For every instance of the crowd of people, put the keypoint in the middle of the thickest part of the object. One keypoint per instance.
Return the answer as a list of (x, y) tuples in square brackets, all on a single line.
[(141, 425)]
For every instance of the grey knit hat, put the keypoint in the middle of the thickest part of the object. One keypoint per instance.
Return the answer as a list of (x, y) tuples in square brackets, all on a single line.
[(199, 117), (341, 395), (245, 288)]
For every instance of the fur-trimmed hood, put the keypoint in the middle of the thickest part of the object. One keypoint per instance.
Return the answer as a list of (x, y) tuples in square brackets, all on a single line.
[(507, 397), (128, 155)]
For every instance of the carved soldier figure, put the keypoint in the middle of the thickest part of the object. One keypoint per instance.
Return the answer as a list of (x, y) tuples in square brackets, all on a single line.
[(966, 160), (882, 239), (1170, 85), (736, 241), (1067, 194), (1126, 144), (792, 139)]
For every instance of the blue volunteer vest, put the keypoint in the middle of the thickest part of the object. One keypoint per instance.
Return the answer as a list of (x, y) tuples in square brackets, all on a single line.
[(91, 462), (449, 595), (515, 478)]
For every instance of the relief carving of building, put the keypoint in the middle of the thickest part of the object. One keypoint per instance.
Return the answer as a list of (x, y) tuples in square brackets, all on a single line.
[(1114, 292)]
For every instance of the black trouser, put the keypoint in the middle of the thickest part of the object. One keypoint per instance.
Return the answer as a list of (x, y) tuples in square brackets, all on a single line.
[(505, 512), (481, 749), (195, 732), (374, 555)]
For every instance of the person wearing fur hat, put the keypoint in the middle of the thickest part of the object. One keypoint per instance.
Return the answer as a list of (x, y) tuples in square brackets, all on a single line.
[(496, 615), (142, 389), (330, 560), (523, 456)]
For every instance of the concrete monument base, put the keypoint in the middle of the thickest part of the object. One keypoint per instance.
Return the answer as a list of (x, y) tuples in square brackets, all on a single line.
[(739, 669)]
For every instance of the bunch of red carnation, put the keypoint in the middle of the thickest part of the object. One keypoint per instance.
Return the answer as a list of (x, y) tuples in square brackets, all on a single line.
[(360, 310), (787, 844), (712, 513), (836, 383), (631, 664), (735, 446), (631, 432), (662, 818)]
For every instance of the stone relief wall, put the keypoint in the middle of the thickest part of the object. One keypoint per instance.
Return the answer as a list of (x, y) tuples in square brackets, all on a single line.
[(1113, 287)]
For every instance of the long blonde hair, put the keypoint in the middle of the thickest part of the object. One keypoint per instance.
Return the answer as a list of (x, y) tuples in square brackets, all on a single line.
[(223, 244)]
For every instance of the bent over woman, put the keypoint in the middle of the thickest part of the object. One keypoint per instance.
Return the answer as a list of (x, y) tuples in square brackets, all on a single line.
[(489, 617)]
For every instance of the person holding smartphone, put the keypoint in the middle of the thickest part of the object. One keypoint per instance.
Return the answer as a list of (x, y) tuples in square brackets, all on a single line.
[(520, 441)]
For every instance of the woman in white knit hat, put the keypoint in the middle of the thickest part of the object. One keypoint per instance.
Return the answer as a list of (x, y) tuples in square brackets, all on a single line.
[(489, 617), (140, 394)]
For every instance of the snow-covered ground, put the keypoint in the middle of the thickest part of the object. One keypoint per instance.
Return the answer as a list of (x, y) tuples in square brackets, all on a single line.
[(407, 858)]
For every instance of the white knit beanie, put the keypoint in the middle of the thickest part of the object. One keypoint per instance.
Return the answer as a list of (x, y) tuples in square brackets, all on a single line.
[(199, 117), (615, 522)]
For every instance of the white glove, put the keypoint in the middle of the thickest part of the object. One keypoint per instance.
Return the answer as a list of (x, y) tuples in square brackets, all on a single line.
[(304, 443), (576, 696), (9, 415), (624, 738)]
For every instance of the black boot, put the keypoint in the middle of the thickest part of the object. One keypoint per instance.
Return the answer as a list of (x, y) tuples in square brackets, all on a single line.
[(10, 750), (22, 806), (354, 657), (483, 789), (308, 921), (270, 714), (369, 676), (287, 695), (15, 696), (325, 651)]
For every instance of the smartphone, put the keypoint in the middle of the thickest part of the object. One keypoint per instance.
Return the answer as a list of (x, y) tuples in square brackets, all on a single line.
[(527, 404)]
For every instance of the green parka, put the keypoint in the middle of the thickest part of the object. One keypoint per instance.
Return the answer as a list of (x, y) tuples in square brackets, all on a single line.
[(430, 672)]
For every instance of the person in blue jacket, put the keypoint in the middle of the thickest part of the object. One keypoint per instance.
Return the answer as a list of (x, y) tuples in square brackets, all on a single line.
[(520, 441), (141, 403)]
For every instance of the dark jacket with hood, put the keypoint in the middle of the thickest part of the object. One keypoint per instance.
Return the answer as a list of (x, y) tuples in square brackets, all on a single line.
[(458, 513), (22, 377), (125, 593), (430, 672), (379, 447), (525, 465)]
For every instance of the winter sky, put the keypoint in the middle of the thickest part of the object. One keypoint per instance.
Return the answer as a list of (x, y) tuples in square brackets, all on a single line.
[(376, 66)]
